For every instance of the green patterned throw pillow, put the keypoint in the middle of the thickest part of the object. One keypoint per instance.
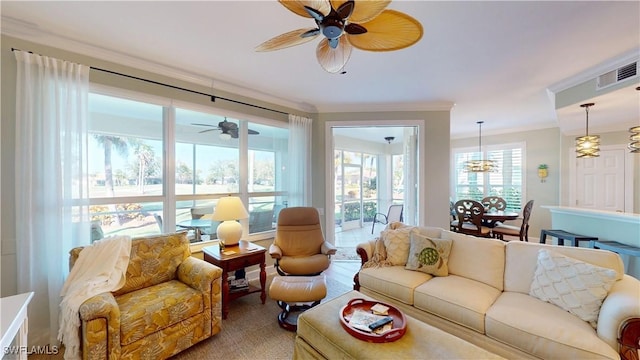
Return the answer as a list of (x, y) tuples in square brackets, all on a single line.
[(429, 255)]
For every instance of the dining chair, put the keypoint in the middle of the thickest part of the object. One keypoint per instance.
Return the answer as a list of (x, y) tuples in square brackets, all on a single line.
[(470, 214), (393, 214), (198, 213), (522, 232), (494, 202), (453, 222), (158, 218)]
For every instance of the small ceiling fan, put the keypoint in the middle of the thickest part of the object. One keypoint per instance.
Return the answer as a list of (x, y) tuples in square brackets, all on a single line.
[(228, 129), (365, 25)]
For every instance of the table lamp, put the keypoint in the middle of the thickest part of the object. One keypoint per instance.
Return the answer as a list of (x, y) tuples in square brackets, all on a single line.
[(228, 210)]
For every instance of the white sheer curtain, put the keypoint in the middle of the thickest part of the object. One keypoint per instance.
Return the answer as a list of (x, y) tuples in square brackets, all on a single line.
[(299, 161), (51, 182)]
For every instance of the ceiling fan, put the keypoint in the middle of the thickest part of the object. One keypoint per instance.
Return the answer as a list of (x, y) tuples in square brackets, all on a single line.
[(228, 129), (365, 25)]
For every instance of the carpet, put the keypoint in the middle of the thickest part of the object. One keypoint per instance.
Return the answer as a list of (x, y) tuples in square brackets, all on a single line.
[(251, 331)]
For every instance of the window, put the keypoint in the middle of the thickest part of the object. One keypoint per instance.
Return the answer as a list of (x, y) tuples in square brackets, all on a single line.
[(125, 165), (507, 182), (129, 172), (266, 170), (355, 187)]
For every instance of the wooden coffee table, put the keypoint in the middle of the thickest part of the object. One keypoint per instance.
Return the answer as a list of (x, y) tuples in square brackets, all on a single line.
[(231, 259)]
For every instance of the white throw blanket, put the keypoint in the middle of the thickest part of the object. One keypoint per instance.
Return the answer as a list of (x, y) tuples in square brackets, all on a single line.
[(100, 267)]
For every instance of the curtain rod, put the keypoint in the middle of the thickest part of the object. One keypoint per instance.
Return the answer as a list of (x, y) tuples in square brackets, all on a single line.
[(213, 97)]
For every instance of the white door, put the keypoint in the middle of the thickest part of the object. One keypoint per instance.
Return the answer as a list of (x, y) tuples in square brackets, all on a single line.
[(600, 182)]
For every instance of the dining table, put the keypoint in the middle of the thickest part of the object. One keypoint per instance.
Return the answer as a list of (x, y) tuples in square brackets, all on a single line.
[(197, 225), (492, 218)]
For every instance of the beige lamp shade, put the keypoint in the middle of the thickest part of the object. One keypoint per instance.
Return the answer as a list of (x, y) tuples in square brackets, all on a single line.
[(228, 210)]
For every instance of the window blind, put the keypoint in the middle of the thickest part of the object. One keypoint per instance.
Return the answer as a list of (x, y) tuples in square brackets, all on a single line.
[(507, 182)]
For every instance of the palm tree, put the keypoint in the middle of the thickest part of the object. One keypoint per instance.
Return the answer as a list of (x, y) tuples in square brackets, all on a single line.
[(146, 157), (108, 142)]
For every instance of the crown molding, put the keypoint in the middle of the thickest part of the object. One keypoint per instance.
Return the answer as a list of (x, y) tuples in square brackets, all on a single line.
[(32, 32), (457, 135), (593, 72), (392, 107)]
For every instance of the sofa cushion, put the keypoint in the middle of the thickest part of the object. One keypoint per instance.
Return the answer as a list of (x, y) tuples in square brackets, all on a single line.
[(148, 310), (429, 255), (457, 299), (571, 284), (522, 257), (394, 281), (479, 259), (543, 329)]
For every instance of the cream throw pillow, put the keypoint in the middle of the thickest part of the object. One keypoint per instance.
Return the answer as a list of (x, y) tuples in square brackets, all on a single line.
[(575, 286), (429, 255), (396, 242)]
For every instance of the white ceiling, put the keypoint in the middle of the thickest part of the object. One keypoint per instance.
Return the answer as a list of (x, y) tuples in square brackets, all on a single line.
[(493, 60)]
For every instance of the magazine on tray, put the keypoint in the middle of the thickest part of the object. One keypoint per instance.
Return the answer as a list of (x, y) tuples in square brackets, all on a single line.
[(368, 322)]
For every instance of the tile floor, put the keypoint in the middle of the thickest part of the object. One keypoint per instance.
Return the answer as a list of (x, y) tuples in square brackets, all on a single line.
[(351, 238)]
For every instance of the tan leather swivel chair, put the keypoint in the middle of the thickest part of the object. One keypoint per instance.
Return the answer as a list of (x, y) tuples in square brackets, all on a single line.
[(299, 247)]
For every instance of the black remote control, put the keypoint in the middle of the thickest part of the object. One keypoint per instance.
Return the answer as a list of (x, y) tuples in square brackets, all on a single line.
[(381, 322)]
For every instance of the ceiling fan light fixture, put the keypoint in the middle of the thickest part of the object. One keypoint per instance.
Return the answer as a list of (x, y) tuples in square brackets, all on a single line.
[(225, 136), (344, 25), (389, 139), (480, 166), (587, 146)]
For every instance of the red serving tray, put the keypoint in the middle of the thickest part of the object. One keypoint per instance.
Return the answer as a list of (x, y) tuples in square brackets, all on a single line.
[(399, 322)]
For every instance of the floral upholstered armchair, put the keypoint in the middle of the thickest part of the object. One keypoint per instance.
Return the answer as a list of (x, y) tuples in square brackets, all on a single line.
[(169, 302)]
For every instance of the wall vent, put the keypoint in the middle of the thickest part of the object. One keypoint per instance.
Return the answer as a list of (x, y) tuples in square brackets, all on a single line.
[(615, 76)]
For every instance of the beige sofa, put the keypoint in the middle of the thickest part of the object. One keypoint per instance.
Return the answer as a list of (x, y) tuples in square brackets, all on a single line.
[(485, 298)]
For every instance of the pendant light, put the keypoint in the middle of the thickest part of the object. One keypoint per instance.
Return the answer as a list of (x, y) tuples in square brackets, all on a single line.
[(480, 166), (634, 138), (587, 146)]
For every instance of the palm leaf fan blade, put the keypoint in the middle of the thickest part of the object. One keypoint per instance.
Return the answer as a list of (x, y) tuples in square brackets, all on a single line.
[(333, 60), (286, 40), (391, 30), (364, 10), (297, 6)]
